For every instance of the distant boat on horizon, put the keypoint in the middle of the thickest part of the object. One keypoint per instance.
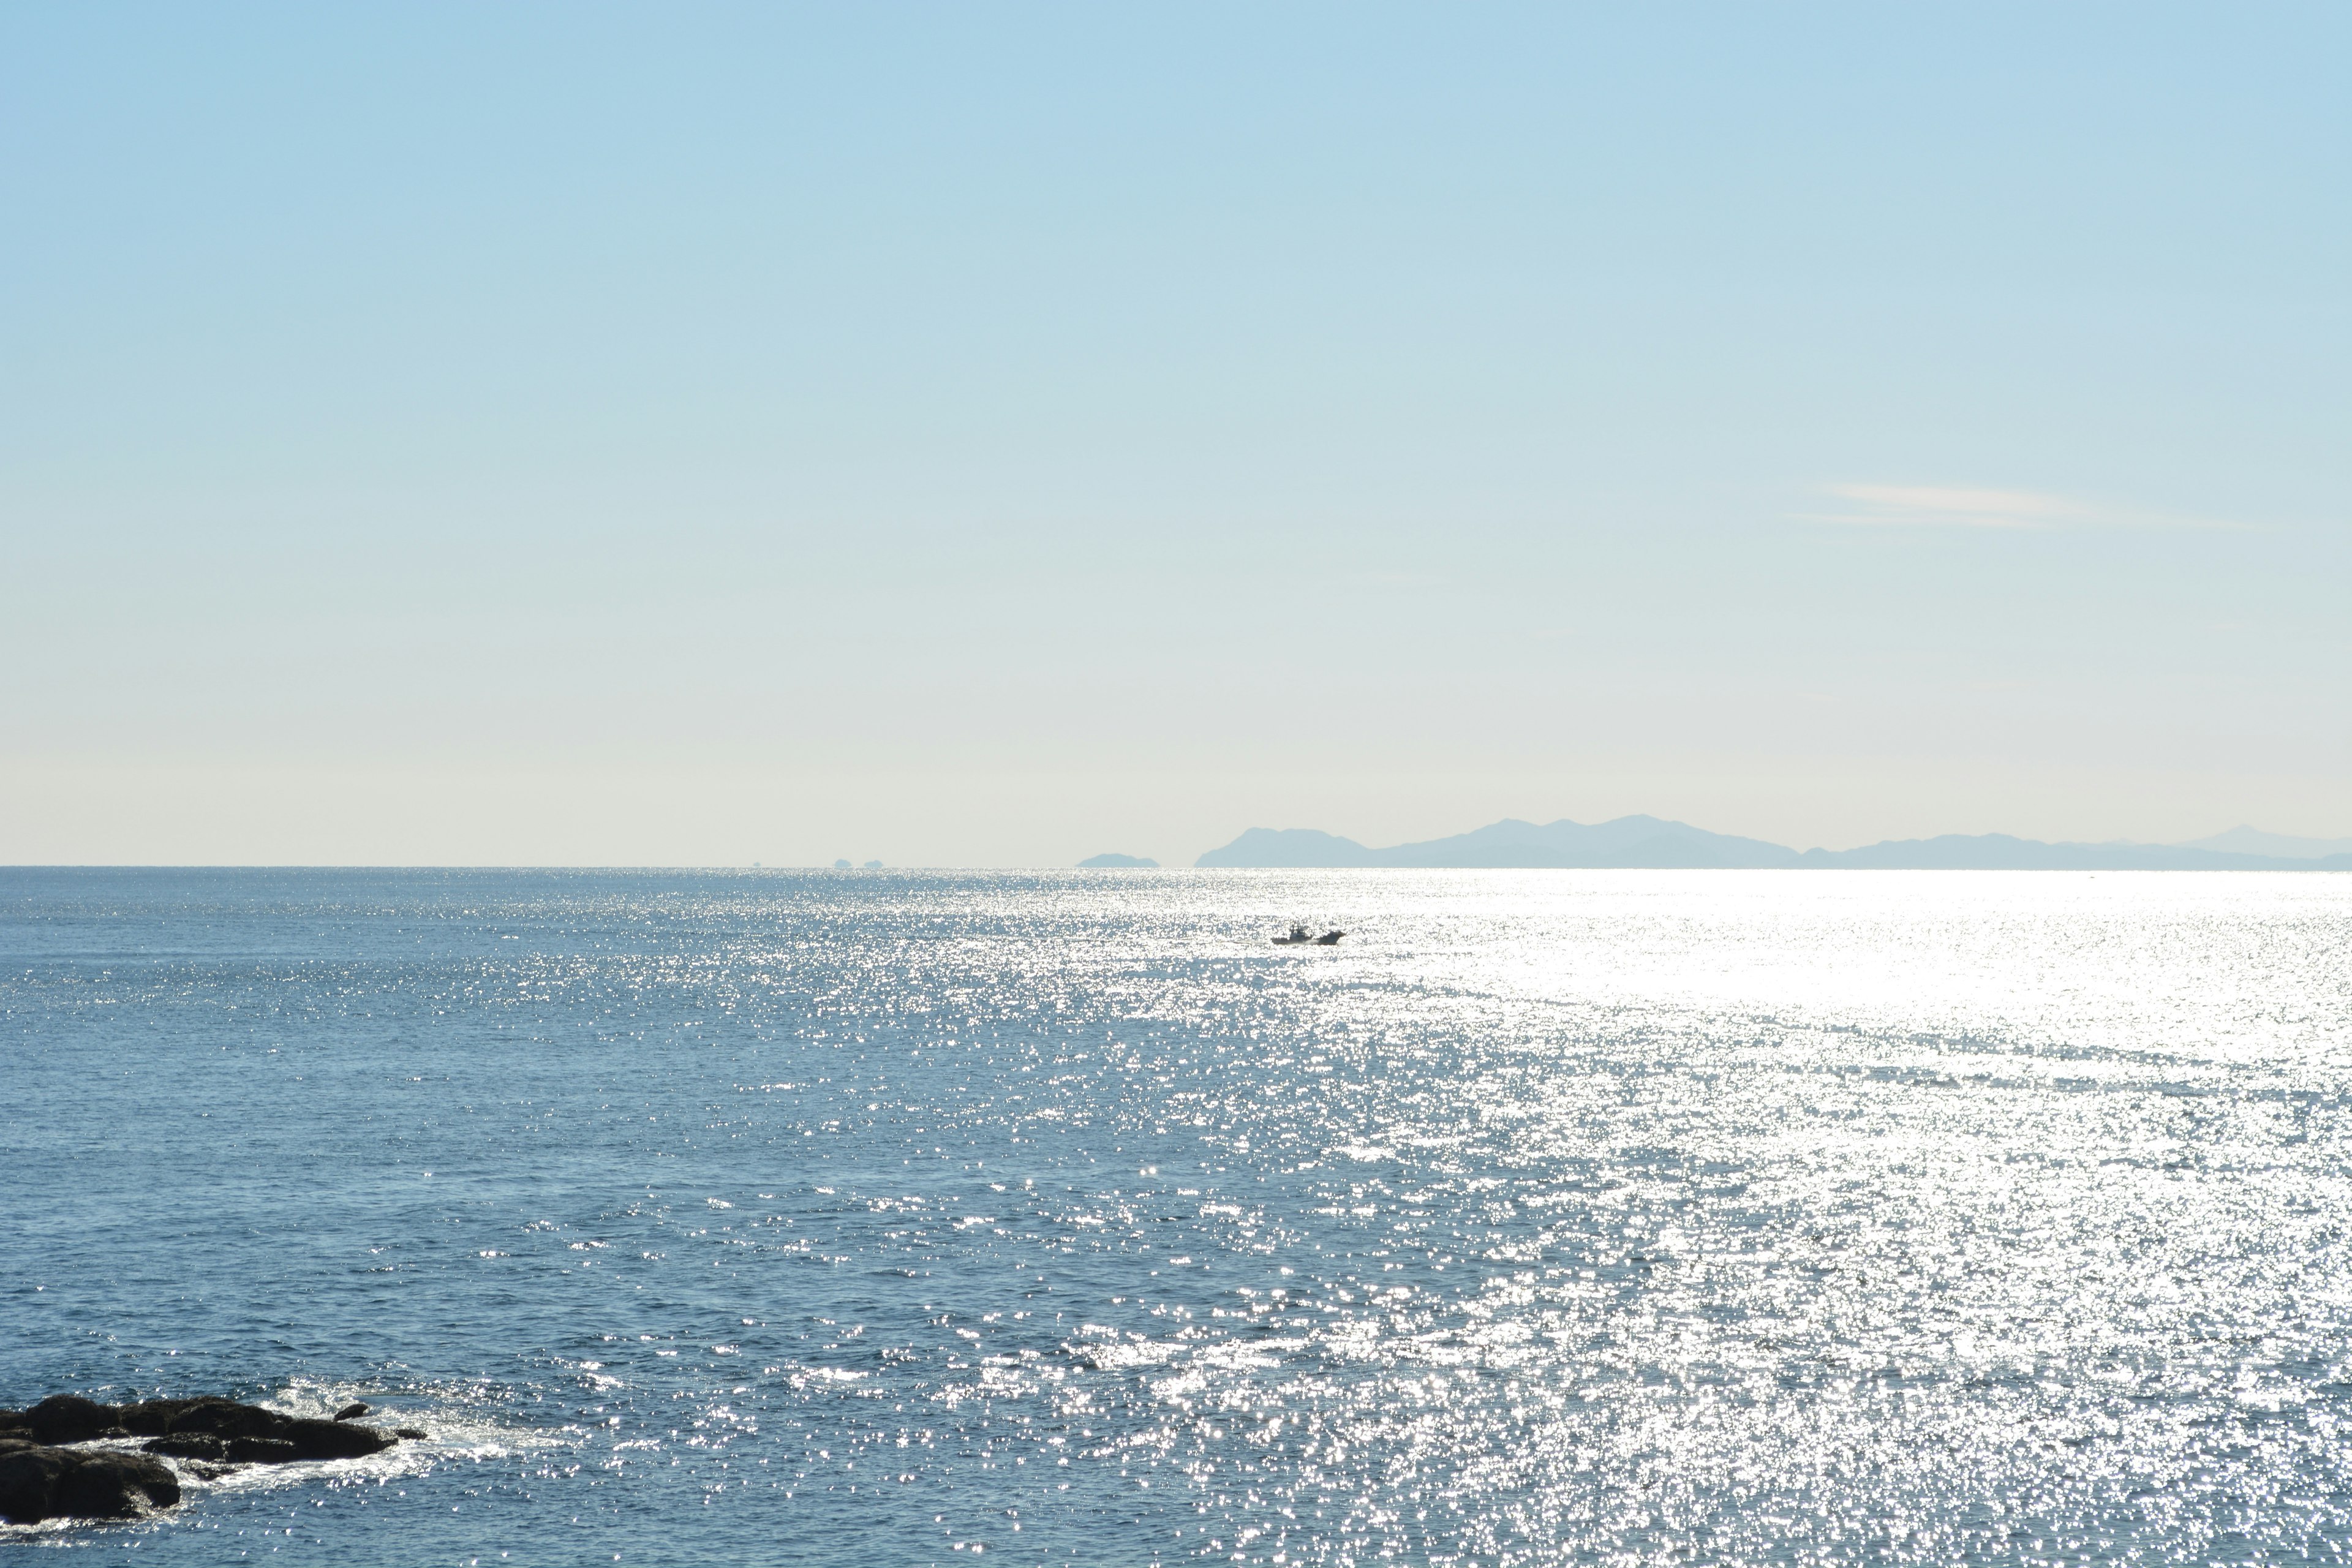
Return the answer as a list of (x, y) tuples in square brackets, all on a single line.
[(1301, 937)]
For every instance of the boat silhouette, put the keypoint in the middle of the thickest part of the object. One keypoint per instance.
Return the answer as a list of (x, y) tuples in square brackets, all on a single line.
[(1301, 937)]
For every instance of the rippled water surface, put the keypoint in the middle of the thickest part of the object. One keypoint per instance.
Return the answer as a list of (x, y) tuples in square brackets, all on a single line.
[(880, 1218)]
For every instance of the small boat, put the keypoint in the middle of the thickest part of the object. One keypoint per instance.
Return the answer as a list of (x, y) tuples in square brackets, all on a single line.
[(1301, 937)]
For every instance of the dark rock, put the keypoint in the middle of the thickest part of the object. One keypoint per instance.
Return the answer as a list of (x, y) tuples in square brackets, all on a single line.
[(112, 1484), (189, 1445), (409, 1432), (38, 1481), (70, 1418), (28, 1480), (42, 1478), (293, 1440), (224, 1418), (336, 1440), (150, 1418), (351, 1412), (262, 1451)]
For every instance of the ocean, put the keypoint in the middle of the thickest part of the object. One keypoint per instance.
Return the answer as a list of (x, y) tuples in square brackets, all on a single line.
[(914, 1217)]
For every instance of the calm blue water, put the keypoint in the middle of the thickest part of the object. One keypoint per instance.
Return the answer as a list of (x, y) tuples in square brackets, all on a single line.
[(881, 1218)]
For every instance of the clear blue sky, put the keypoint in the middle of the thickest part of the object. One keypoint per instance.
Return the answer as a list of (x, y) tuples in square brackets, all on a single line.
[(996, 433)]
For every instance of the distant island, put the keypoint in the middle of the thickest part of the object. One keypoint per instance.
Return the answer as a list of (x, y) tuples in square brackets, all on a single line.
[(1652, 843), (1102, 860)]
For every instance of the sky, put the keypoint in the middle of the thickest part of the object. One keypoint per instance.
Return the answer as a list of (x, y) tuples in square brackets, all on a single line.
[(997, 434)]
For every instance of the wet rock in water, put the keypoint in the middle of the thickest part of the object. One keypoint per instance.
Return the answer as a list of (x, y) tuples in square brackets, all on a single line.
[(270, 1439), (336, 1440), (67, 1418), (220, 1417), (40, 1481), (110, 1484), (262, 1451), (155, 1417), (41, 1477), (189, 1445), (28, 1479), (351, 1412), (150, 1419), (409, 1432)]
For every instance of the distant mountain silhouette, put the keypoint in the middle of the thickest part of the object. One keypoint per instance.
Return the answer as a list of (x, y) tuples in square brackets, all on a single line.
[(1108, 861), (1650, 842), (1627, 841), (2254, 841), (1289, 849), (2000, 852)]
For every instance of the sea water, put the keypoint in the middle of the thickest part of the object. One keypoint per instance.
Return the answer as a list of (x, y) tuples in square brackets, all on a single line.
[(868, 1217)]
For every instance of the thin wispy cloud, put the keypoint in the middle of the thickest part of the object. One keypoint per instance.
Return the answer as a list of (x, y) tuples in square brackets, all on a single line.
[(1950, 506)]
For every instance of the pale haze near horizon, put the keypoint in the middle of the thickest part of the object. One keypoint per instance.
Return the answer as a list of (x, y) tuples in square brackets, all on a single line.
[(709, 435)]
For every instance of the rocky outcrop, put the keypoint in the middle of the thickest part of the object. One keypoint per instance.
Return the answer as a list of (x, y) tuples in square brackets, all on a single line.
[(42, 1478), (60, 1418), (38, 1481)]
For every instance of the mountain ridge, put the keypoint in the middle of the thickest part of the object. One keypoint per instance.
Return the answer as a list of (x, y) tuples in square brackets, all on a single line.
[(1642, 842), (2247, 840)]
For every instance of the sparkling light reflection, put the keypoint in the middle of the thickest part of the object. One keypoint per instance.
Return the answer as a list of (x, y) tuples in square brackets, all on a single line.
[(1745, 1218)]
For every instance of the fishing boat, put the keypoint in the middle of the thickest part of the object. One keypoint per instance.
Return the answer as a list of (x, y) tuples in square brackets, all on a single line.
[(1301, 937)]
